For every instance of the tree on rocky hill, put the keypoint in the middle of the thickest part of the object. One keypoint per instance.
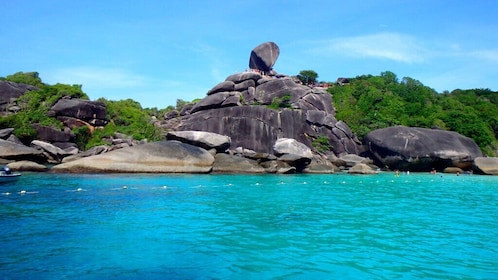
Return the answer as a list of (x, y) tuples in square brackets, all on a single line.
[(307, 77)]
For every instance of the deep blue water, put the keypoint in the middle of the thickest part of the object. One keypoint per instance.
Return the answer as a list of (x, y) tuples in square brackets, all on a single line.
[(416, 226)]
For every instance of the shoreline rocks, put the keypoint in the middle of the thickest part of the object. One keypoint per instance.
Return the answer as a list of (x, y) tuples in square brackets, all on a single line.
[(421, 149), (157, 157)]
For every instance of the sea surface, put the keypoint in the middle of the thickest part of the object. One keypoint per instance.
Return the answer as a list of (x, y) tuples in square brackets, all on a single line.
[(416, 226)]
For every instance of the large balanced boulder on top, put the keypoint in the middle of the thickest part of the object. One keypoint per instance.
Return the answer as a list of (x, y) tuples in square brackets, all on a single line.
[(263, 57), (421, 149), (255, 108), (157, 157)]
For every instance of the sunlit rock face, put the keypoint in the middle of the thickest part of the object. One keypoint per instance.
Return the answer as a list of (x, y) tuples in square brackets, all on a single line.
[(258, 106)]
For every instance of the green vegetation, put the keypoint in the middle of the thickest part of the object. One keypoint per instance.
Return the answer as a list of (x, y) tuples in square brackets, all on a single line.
[(34, 105), (367, 103), (28, 78), (307, 77), (372, 102), (282, 102), (126, 116), (321, 144)]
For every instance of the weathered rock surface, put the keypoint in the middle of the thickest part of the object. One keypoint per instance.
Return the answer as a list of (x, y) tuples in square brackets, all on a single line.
[(90, 152), (157, 157), (5, 133), (293, 152), (10, 91), (14, 151), (320, 166), (287, 146), (92, 112), (264, 56), (206, 140), (421, 149), (362, 168), (352, 160), (49, 134), (257, 127), (486, 165), (225, 163), (25, 165), (53, 153)]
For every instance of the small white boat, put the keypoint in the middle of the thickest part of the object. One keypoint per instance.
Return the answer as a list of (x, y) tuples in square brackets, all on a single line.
[(6, 175)]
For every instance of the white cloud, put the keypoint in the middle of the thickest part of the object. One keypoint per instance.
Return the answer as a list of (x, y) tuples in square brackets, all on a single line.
[(392, 46), (103, 78), (489, 55), (117, 84)]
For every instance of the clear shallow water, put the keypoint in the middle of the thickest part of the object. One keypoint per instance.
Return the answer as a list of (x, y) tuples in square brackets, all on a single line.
[(249, 227)]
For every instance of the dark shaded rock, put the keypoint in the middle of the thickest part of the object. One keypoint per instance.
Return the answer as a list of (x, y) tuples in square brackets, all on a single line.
[(244, 85), (257, 127), (315, 101), (10, 91), (206, 140), (68, 147), (486, 165), (321, 118), (225, 163), (216, 100), (248, 96), (171, 114), (157, 157), (49, 134), (90, 111), (421, 149), (186, 109), (278, 88), (244, 76), (264, 56), (223, 86), (54, 154), (6, 132), (14, 151), (74, 122)]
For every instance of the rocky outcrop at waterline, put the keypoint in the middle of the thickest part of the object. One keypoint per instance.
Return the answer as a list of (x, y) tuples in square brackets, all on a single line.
[(255, 108), (421, 149), (158, 157), (486, 165), (257, 121)]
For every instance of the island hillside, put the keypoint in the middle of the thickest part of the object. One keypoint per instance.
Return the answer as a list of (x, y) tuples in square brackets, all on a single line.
[(261, 121)]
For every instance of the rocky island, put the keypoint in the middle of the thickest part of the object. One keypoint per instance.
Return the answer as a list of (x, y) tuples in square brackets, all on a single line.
[(257, 121)]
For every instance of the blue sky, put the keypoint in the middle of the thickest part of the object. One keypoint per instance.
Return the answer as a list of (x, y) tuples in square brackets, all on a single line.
[(156, 52)]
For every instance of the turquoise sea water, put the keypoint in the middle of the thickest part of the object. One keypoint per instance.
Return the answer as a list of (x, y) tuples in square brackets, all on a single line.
[(416, 226)]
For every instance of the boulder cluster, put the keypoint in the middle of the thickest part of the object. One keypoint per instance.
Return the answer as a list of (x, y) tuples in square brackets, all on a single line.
[(257, 121), (51, 145)]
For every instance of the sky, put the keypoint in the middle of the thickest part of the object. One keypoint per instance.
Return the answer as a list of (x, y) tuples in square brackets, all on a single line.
[(156, 51)]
